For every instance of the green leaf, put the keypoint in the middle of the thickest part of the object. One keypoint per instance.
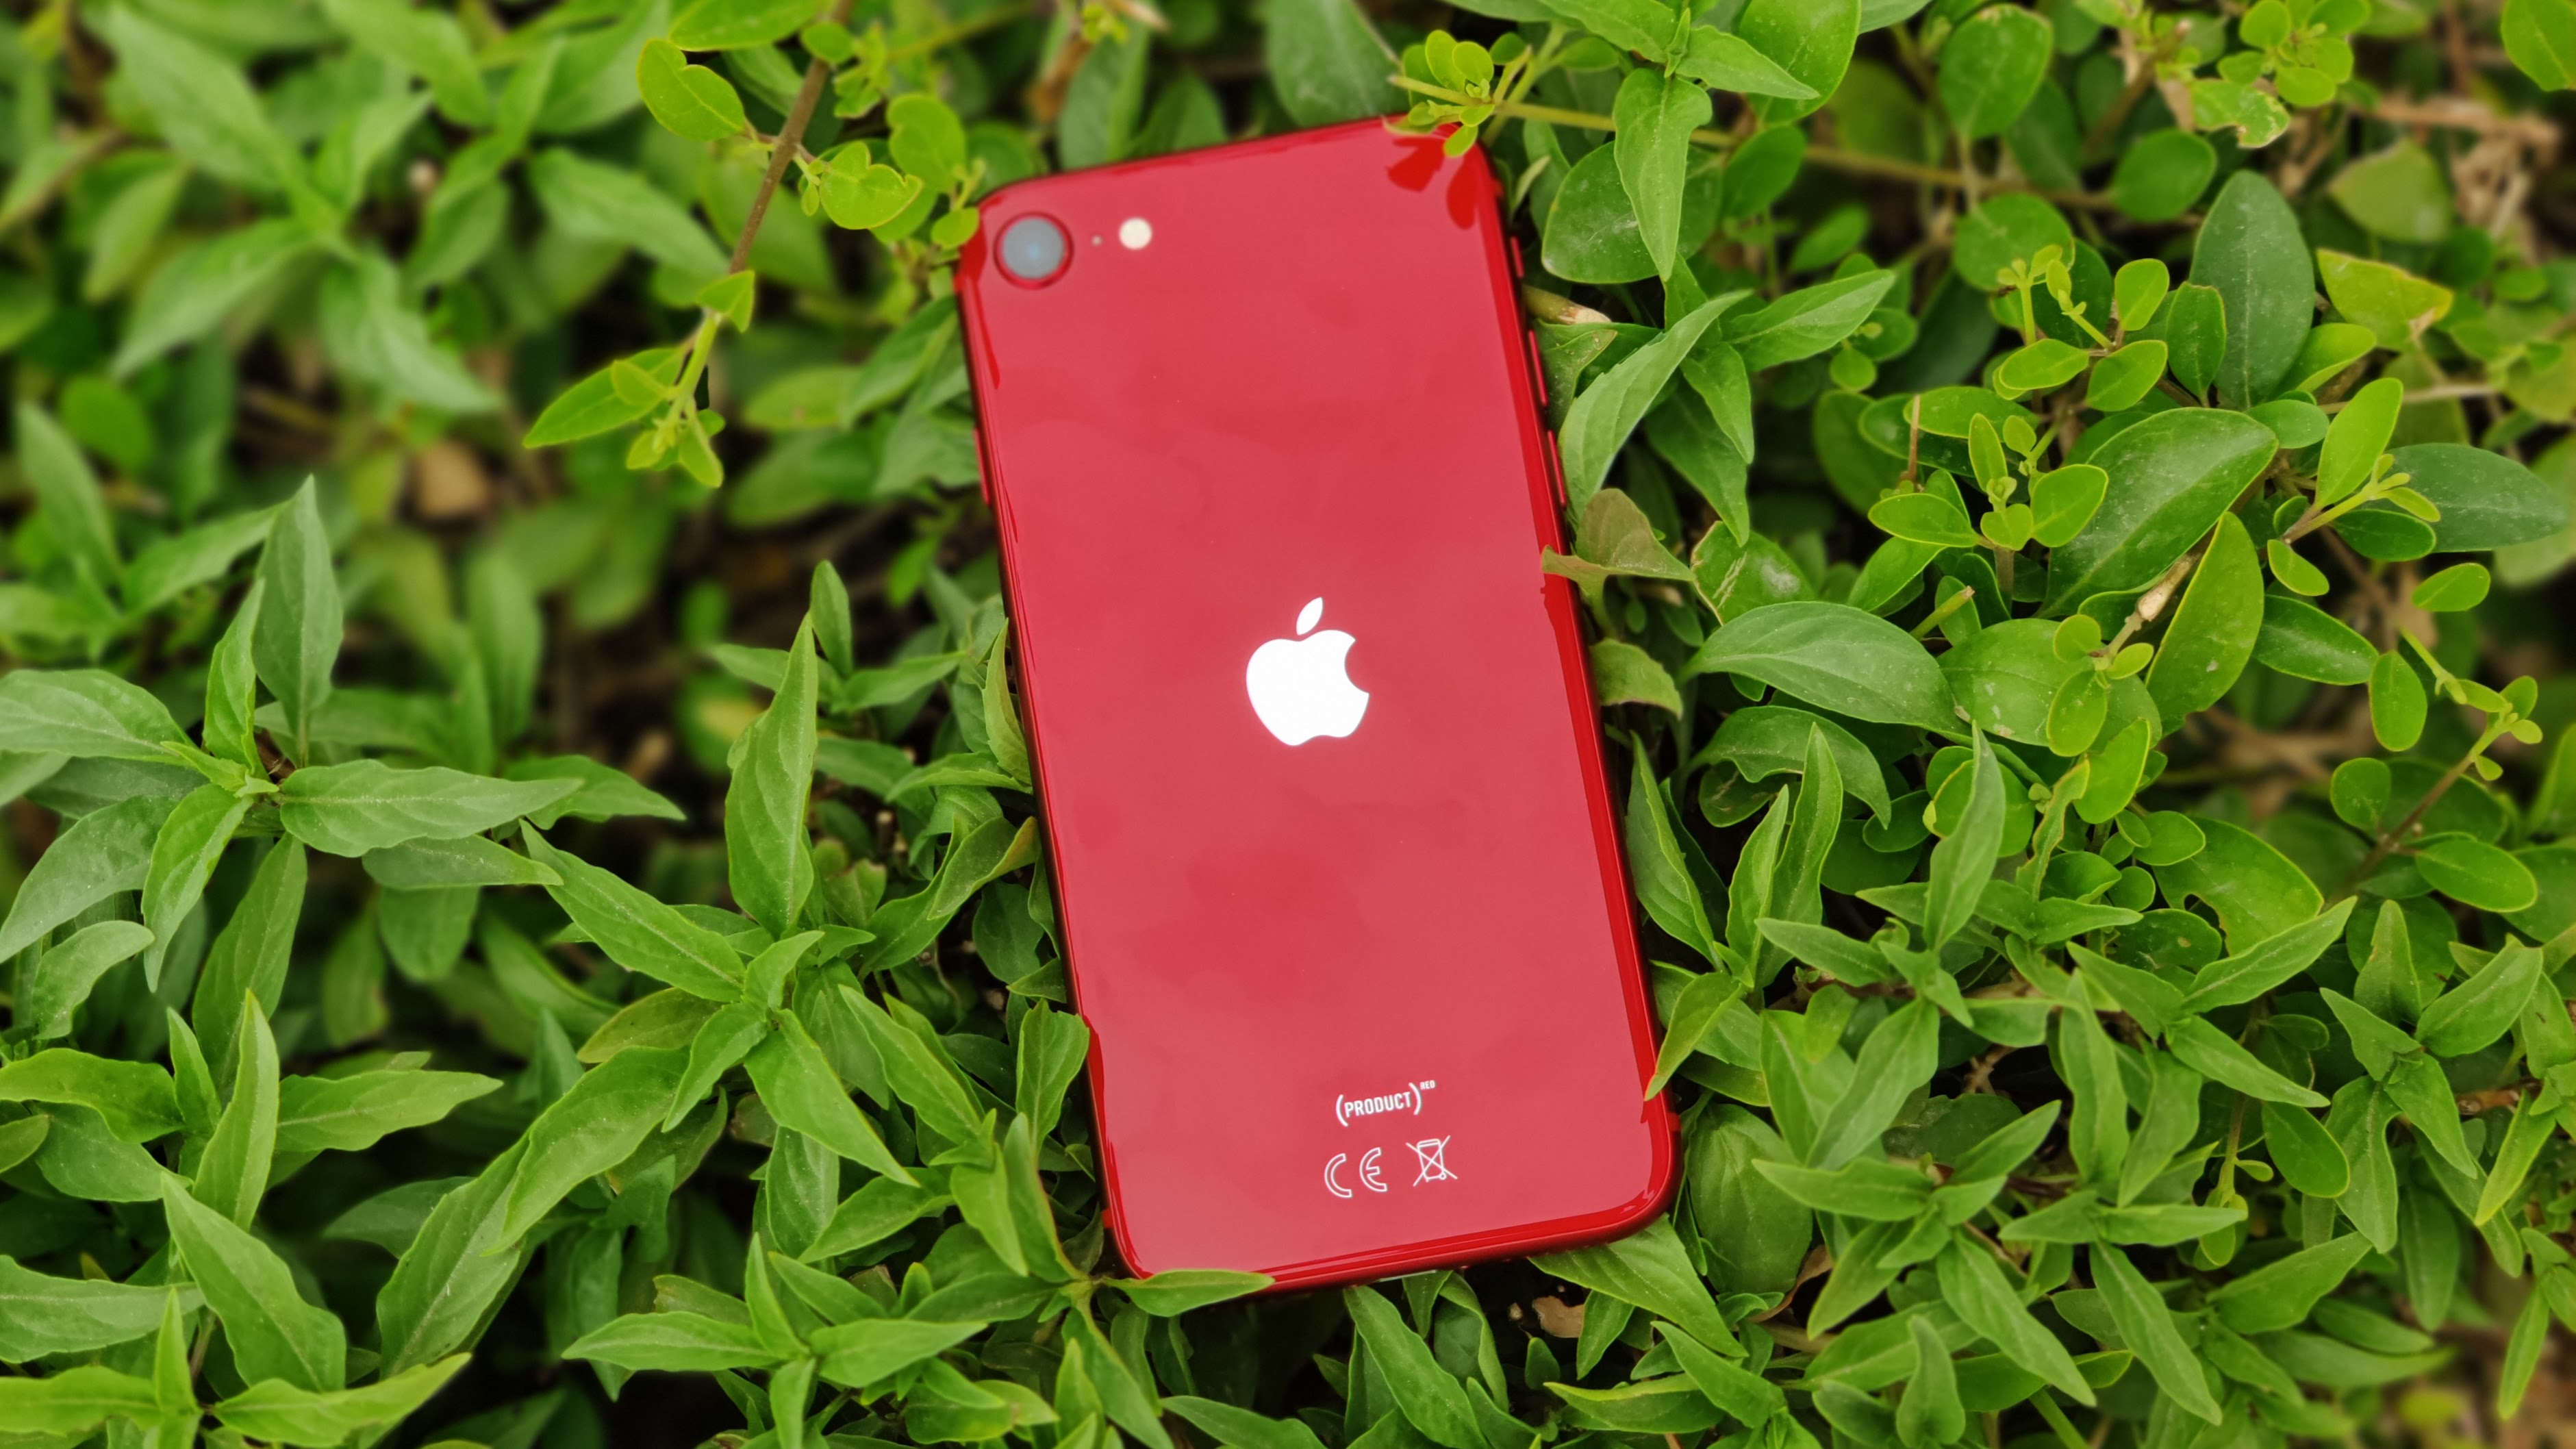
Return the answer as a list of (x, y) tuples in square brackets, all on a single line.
[(2171, 477), (78, 1400), (2486, 500), (424, 42), (1930, 1414), (2195, 329), (233, 1175), (249, 956), (164, 570), (1975, 1289), (1176, 1291), (691, 101), (1924, 518), (1810, 39), (274, 1333), (41, 1314), (2307, 1155), (2454, 590), (206, 108), (604, 792), (1691, 1016), (2279, 1294), (2214, 629), (637, 931), (598, 202), (2248, 974), (766, 841), (1991, 66), (1428, 1397), (138, 1100), (802, 1092), (1729, 63), (2216, 1055), (2160, 175), (2481, 1006), (588, 1130), (350, 1113), (1650, 1269), (875, 1349), (298, 636), (367, 805), (2356, 438), (1237, 1428), (188, 295), (1836, 657), (1865, 1187), (1327, 63), (2540, 39), (2398, 193), (2305, 642), (921, 1076), (593, 405), (184, 856), (64, 976), (232, 690), (1656, 115), (2393, 304), (470, 860), (2250, 248), (83, 713), (1663, 880), (1604, 414), (281, 1413), (1009, 743), (456, 1268), (2417, 1085), (2147, 1327), (739, 24), (679, 1342), (104, 852), (1964, 860), (68, 496), (1900, 1054), (1591, 236), (1807, 321)]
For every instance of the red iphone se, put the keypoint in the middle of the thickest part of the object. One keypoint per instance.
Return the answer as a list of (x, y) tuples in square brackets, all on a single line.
[(1338, 867)]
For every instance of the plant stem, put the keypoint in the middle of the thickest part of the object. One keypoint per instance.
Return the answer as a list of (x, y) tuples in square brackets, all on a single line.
[(2151, 604), (791, 137), (2387, 844), (1949, 606)]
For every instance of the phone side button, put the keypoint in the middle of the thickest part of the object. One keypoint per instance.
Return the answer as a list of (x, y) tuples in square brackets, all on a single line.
[(1519, 270), (1538, 369), (1555, 469)]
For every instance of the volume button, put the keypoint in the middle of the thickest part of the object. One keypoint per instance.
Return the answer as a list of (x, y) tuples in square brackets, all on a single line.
[(1556, 469), (1538, 369)]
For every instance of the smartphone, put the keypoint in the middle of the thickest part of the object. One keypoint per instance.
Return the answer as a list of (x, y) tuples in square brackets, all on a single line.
[(1335, 858)]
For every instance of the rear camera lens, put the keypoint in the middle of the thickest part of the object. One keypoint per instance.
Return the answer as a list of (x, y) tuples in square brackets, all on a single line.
[(1034, 249)]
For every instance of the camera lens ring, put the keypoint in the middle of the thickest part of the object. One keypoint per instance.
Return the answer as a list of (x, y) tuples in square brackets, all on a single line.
[(1033, 250)]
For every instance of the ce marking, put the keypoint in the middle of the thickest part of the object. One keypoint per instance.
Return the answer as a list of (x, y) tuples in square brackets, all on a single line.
[(1367, 1172)]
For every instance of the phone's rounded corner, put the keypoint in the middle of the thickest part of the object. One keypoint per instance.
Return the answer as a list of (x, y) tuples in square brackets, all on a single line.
[(1663, 1176)]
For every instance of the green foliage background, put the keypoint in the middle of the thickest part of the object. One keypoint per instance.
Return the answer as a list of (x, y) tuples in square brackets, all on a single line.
[(527, 921)]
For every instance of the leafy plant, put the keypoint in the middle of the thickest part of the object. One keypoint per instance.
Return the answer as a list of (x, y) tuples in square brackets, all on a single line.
[(2071, 502)]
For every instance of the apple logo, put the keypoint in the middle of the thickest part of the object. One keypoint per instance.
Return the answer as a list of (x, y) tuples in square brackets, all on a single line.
[(1299, 686)]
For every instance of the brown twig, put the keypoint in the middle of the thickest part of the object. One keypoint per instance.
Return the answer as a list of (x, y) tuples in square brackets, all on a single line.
[(2387, 844), (791, 139)]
